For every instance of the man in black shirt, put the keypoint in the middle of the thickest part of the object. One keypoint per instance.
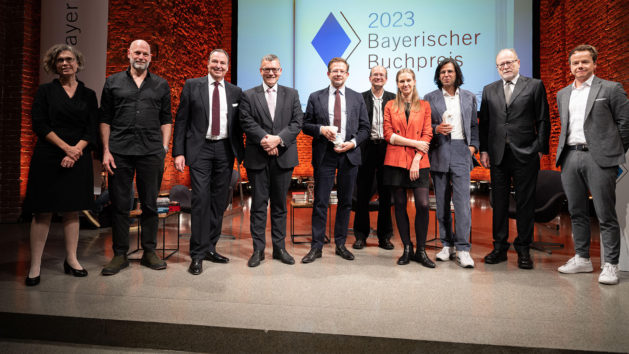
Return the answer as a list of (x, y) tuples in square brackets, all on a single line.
[(135, 126)]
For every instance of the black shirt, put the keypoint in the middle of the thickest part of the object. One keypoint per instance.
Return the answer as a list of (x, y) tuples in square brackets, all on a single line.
[(135, 115)]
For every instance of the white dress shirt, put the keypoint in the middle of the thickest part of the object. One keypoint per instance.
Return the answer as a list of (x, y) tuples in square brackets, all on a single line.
[(578, 101), (378, 117), (223, 110), (270, 96), (453, 108), (331, 98)]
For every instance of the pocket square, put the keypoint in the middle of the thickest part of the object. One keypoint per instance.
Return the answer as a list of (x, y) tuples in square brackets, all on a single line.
[(234, 104), (601, 99)]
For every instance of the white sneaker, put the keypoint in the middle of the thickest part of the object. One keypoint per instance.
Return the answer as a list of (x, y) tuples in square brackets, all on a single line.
[(576, 264), (609, 275), (464, 259), (446, 254)]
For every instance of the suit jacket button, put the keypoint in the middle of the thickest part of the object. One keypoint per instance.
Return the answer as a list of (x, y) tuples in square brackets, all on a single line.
[(398, 130)]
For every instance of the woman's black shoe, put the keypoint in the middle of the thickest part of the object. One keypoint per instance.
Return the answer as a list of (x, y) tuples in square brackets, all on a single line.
[(75, 272), (407, 255), (422, 258), (32, 281)]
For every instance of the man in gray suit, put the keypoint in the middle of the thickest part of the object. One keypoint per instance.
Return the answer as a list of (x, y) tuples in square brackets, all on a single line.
[(514, 128), (207, 138), (271, 117), (594, 138), (455, 140)]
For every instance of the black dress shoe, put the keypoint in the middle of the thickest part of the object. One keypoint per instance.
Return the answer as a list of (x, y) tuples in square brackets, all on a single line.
[(313, 254), (359, 244), (496, 256), (422, 258), (406, 256), (75, 272), (524, 260), (216, 258), (196, 267), (344, 253), (32, 281), (283, 256), (255, 258), (385, 244)]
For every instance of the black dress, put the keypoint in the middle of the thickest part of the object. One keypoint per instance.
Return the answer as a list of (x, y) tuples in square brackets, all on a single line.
[(50, 187), (399, 177)]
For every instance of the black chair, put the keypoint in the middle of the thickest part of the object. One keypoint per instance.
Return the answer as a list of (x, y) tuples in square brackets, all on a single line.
[(550, 199)]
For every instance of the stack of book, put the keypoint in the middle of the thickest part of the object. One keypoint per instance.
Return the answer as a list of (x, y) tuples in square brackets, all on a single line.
[(162, 205), (300, 197)]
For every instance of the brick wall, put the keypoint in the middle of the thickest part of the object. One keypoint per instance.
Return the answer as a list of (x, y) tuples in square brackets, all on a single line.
[(19, 76), (183, 33)]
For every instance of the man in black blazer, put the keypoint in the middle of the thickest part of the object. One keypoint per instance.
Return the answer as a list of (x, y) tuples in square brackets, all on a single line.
[(593, 141), (207, 138), (271, 117), (336, 118), (373, 151), (514, 128)]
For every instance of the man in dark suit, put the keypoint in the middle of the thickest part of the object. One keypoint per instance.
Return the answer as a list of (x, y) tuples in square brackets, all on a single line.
[(207, 138), (336, 118), (271, 117), (373, 151), (593, 141), (455, 140), (514, 128)]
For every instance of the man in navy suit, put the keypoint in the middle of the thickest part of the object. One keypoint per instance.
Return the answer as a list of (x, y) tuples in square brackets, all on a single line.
[(207, 138), (514, 128), (336, 118), (271, 117), (454, 142)]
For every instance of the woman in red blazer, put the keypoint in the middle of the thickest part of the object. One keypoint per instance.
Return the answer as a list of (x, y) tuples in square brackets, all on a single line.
[(408, 130)]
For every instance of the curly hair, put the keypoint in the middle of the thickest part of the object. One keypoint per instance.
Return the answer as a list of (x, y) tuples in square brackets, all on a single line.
[(457, 70), (50, 59)]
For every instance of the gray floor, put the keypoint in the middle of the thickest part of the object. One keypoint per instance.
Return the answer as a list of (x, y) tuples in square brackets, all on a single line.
[(371, 296)]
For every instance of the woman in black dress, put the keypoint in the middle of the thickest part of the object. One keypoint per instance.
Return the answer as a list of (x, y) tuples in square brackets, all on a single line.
[(408, 130), (60, 177)]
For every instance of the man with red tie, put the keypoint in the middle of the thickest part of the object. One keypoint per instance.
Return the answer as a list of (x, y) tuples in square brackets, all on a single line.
[(336, 117), (207, 138)]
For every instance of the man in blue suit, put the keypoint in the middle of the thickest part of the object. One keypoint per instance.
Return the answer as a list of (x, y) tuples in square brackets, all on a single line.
[(455, 140), (336, 118)]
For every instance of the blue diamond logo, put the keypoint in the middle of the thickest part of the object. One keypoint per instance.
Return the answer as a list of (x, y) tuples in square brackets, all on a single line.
[(331, 40)]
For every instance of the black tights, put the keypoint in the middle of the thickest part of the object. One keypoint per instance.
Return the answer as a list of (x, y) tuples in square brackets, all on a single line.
[(421, 215)]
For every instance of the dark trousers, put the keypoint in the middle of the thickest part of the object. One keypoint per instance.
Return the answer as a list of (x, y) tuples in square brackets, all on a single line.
[(270, 183), (372, 166), (148, 170), (324, 181), (524, 176), (209, 178)]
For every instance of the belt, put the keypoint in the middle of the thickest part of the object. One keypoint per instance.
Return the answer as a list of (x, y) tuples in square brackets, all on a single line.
[(581, 147), (377, 141), (214, 140)]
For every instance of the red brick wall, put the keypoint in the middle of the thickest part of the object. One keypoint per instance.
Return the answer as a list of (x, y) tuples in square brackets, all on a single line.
[(19, 77), (182, 34)]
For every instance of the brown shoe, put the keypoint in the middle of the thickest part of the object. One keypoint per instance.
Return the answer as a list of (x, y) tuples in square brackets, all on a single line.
[(150, 259), (115, 265)]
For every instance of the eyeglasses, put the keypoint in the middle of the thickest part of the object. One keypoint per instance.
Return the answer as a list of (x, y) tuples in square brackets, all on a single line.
[(505, 64), (61, 60), (338, 72), (271, 70)]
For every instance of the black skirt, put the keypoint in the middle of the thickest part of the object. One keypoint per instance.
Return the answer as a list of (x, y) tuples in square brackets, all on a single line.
[(399, 177)]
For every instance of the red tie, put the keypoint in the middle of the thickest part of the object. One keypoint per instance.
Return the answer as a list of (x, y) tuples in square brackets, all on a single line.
[(216, 111), (337, 111)]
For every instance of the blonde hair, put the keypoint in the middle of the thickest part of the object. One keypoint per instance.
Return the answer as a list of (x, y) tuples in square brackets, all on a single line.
[(399, 100)]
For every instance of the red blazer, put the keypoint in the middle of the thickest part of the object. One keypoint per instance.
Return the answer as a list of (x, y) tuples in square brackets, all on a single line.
[(418, 128)]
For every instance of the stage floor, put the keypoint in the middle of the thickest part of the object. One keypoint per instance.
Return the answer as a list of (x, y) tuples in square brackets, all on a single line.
[(363, 303)]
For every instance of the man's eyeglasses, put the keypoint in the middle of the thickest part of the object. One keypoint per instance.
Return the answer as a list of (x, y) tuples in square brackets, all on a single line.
[(270, 70), (505, 64), (70, 60)]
